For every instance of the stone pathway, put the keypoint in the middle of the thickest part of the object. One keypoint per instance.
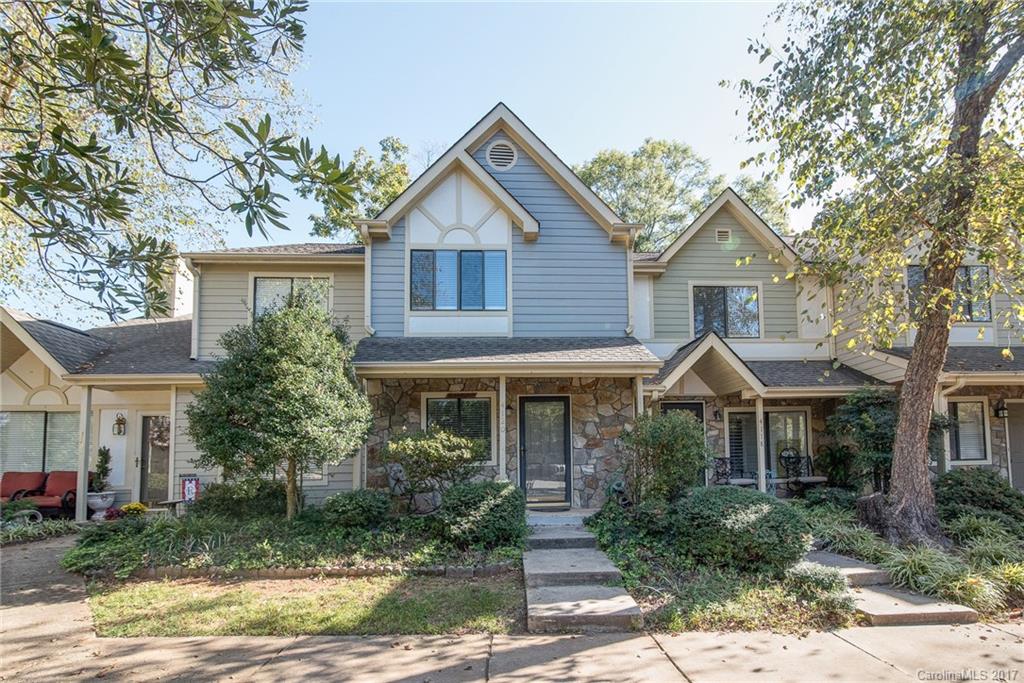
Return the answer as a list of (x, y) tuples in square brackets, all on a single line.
[(884, 605), (570, 584)]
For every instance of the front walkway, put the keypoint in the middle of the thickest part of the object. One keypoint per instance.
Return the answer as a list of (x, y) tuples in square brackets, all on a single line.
[(45, 634)]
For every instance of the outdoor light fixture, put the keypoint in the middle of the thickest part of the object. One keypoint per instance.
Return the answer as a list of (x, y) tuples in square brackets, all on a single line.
[(1001, 410), (120, 425)]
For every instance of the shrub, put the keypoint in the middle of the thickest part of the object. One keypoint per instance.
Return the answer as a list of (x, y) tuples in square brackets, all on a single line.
[(101, 475), (430, 462), (360, 508), (667, 454), (486, 513), (986, 552), (844, 499), (726, 526), (981, 489), (9, 509), (811, 581), (242, 498), (950, 511), (971, 527), (917, 567)]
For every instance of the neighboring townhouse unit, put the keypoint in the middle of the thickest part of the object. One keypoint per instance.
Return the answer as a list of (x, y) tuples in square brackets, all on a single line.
[(500, 298)]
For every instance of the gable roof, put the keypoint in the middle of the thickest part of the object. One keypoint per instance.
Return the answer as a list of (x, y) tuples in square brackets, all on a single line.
[(741, 211), (317, 251), (460, 154)]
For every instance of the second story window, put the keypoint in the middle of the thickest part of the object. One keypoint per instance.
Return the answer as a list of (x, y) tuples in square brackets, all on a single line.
[(453, 280), (971, 289), (270, 293), (729, 311)]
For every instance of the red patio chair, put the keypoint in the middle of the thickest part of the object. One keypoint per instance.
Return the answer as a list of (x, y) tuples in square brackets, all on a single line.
[(59, 493), (14, 485)]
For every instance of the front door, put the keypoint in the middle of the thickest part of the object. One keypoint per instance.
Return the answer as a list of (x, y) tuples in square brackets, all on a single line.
[(154, 459), (544, 449), (1015, 430)]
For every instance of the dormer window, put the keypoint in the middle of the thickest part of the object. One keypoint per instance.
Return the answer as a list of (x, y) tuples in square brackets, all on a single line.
[(457, 280)]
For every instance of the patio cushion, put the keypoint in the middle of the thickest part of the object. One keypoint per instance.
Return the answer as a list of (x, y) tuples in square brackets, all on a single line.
[(45, 501), (60, 482), (12, 482)]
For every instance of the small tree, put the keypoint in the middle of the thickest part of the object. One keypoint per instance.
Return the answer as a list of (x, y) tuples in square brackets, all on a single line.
[(429, 463), (101, 476), (284, 398), (667, 455)]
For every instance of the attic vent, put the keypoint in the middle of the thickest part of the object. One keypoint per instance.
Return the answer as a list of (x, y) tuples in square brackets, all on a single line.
[(723, 235), (501, 156)]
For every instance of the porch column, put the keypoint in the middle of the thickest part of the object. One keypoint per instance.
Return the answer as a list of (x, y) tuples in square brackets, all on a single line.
[(639, 381), (762, 474), (85, 449), (502, 432), (942, 408)]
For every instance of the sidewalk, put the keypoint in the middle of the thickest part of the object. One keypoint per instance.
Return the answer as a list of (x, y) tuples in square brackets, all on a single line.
[(45, 633)]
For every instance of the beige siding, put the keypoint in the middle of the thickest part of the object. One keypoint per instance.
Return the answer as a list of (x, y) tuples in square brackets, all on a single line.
[(224, 298), (702, 258), (1013, 335), (184, 450), (857, 358)]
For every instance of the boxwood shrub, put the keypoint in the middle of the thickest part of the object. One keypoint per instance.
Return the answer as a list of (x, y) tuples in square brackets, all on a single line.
[(727, 526), (364, 508), (484, 514)]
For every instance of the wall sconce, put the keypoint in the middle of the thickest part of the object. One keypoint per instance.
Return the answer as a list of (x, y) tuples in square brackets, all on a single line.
[(716, 414), (1001, 410), (120, 425)]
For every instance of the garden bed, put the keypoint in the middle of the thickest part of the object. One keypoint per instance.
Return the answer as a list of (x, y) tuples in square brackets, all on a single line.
[(38, 531), (290, 607)]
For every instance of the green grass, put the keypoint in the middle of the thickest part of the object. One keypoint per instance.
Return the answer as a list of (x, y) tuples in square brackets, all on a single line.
[(390, 605)]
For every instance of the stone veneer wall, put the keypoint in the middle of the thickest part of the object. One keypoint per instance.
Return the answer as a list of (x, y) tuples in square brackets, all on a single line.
[(601, 411), (996, 425)]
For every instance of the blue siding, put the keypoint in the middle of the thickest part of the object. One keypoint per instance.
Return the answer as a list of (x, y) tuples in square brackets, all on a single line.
[(571, 281), (388, 284)]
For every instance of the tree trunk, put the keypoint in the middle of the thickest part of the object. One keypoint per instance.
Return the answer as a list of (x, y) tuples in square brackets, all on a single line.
[(292, 489), (910, 514)]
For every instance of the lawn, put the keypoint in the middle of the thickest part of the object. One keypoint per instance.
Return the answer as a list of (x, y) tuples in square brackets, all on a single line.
[(358, 606)]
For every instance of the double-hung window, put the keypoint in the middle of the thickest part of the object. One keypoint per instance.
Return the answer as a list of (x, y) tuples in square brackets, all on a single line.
[(967, 440), (38, 441), (970, 290), (457, 280), (729, 311), (465, 416), (271, 293)]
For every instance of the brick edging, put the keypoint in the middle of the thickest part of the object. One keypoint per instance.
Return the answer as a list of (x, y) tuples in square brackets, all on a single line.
[(450, 571)]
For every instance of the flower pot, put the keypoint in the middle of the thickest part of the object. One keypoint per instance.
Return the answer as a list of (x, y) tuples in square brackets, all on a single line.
[(99, 502)]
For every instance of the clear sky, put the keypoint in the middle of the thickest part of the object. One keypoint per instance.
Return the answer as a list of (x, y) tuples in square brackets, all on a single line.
[(583, 76)]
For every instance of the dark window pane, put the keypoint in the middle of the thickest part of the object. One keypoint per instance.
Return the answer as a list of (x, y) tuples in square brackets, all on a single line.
[(471, 285), (709, 310), (743, 318), (443, 413), (495, 298), (421, 295), (981, 310), (446, 280), (915, 286), (476, 420)]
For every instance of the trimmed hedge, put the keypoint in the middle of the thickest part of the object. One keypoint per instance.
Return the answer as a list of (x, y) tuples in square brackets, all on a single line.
[(484, 513), (363, 508), (727, 526)]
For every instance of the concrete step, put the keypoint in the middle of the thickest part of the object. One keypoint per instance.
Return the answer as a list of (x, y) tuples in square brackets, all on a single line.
[(885, 606), (585, 608), (536, 519), (568, 567), (857, 573), (548, 537)]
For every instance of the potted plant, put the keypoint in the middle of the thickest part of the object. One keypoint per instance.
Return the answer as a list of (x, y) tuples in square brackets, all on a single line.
[(100, 498)]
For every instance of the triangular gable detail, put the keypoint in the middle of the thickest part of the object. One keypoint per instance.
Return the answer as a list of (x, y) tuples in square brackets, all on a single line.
[(711, 342), (732, 202), (11, 319)]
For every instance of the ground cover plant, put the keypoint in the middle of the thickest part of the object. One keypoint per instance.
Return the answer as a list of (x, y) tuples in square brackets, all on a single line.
[(37, 531), (739, 570)]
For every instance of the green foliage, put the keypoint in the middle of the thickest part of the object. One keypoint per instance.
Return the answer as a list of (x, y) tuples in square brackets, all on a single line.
[(667, 454), (982, 553), (360, 508), (484, 513), (376, 183), (811, 581), (1009, 577), (844, 499), (664, 185), (36, 531), (242, 498), (429, 462), (864, 428), (983, 492), (917, 567), (283, 398), (10, 508), (970, 527), (109, 105), (134, 509), (727, 526), (964, 586), (101, 473), (841, 533)]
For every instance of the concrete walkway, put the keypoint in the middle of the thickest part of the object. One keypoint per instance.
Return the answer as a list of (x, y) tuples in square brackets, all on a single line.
[(46, 635)]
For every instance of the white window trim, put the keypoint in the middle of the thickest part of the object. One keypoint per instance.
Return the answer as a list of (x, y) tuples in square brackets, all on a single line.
[(492, 395), (728, 283), (767, 411), (250, 295), (986, 430)]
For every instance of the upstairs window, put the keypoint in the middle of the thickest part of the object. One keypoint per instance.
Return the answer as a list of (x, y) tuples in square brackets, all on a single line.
[(970, 292), (271, 293), (468, 417), (728, 311), (453, 280)]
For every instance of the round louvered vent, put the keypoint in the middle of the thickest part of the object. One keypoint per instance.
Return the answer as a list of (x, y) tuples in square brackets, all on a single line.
[(501, 156)]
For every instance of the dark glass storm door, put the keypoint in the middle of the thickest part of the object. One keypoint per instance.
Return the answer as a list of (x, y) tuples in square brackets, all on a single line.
[(544, 449), (155, 454)]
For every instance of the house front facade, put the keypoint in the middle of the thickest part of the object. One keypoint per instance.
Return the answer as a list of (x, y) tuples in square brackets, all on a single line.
[(500, 298)]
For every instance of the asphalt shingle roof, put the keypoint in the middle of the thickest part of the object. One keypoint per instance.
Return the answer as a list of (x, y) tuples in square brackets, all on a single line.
[(974, 358), (681, 354), (70, 347), (156, 346), (502, 350), (300, 249), (808, 373)]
